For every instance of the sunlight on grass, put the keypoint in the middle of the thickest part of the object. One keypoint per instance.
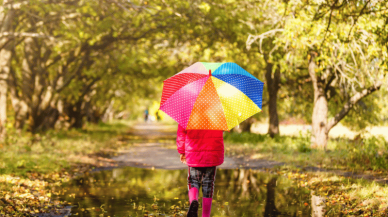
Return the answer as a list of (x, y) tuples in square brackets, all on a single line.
[(350, 196), (51, 158), (362, 154), (55, 150)]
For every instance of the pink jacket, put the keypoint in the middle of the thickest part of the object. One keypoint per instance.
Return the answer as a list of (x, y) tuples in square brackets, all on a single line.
[(203, 148)]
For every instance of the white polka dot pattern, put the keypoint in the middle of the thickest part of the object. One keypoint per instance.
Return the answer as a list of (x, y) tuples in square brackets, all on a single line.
[(207, 112), (217, 102), (197, 67), (173, 84), (231, 68), (236, 105), (251, 87), (179, 105)]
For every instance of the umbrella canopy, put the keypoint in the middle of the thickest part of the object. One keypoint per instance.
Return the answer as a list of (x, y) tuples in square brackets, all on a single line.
[(211, 96)]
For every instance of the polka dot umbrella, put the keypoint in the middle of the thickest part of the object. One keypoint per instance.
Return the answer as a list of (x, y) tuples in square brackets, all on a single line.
[(211, 96)]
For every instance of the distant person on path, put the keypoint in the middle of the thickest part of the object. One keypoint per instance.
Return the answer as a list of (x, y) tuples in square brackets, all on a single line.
[(146, 114), (202, 151)]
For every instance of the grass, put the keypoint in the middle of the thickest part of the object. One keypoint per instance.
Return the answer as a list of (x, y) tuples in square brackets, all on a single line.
[(29, 162), (30, 165), (343, 196), (364, 154), (57, 149)]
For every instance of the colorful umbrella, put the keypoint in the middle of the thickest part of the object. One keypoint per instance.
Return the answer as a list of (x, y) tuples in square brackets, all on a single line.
[(211, 96)]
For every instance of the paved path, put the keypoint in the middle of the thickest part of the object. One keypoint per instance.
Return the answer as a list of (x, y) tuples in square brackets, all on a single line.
[(150, 154)]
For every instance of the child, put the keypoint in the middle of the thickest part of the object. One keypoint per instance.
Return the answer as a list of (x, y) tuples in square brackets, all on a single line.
[(202, 151)]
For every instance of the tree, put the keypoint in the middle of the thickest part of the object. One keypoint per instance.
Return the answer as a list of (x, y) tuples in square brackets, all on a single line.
[(271, 19), (337, 62), (6, 27), (65, 65)]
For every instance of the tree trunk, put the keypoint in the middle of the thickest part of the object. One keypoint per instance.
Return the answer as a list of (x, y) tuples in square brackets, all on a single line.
[(273, 85), (80, 111), (6, 17), (245, 126), (21, 95), (109, 113), (50, 119), (5, 57), (37, 94), (270, 209), (77, 115), (319, 134), (93, 114), (319, 119), (20, 109), (320, 125), (29, 69), (317, 205)]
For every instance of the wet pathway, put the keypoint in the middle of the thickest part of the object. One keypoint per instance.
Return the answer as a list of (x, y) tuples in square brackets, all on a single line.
[(148, 153), (141, 192), (149, 180)]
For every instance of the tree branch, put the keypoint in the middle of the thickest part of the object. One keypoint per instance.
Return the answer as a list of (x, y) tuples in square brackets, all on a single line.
[(349, 105), (71, 77), (26, 34), (328, 25), (252, 38), (357, 17), (329, 80)]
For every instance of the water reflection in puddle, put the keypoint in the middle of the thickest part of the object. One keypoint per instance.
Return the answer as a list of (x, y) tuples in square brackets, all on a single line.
[(145, 192)]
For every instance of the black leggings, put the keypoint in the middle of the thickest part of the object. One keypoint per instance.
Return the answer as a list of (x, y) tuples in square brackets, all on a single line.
[(204, 176)]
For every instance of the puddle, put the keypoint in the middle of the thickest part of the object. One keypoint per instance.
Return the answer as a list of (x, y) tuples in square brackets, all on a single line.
[(140, 192)]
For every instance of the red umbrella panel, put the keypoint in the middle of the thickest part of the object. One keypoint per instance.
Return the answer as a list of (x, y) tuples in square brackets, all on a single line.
[(211, 96)]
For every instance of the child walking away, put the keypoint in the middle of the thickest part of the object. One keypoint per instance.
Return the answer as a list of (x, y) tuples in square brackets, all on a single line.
[(202, 151)]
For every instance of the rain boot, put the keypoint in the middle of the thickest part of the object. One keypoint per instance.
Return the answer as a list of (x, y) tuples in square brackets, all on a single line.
[(193, 194), (193, 198), (206, 206)]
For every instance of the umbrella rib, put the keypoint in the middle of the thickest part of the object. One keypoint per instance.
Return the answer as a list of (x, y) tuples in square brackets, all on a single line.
[(222, 105), (247, 77), (181, 86)]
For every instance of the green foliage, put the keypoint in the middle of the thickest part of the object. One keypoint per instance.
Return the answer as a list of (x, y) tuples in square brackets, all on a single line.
[(245, 137), (304, 143), (258, 143), (54, 150), (369, 153), (346, 56), (367, 112), (102, 54)]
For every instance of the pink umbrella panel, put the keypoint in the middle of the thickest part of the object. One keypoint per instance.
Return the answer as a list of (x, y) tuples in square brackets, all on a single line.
[(199, 99)]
